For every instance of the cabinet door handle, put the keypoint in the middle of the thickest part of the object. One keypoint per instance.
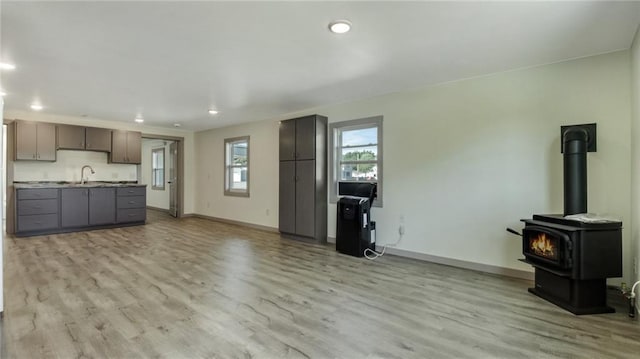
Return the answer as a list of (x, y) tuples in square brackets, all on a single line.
[(38, 222), (34, 155), (37, 207), (132, 202)]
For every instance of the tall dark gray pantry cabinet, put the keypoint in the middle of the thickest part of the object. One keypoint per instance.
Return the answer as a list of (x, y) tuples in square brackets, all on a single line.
[(303, 178)]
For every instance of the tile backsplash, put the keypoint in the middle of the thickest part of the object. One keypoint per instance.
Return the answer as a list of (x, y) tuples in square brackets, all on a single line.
[(68, 165)]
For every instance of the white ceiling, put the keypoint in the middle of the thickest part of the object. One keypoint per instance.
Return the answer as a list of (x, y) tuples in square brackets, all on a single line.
[(171, 61)]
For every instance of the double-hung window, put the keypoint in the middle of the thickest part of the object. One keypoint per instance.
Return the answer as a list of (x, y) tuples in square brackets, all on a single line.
[(157, 168), (236, 154), (356, 153)]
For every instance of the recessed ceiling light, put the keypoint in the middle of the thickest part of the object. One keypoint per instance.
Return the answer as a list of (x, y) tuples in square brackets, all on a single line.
[(7, 66), (176, 125), (213, 112), (139, 119), (36, 107), (2, 93), (340, 26)]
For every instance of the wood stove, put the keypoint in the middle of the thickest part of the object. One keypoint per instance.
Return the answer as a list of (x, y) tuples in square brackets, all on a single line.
[(572, 259)]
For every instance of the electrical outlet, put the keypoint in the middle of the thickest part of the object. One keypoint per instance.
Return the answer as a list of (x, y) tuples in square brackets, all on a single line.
[(267, 211), (635, 265), (208, 204)]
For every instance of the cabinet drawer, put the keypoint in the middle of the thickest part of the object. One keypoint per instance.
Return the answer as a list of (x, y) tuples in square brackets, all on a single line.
[(37, 206), (37, 193), (132, 191), (37, 222), (131, 215), (132, 202)]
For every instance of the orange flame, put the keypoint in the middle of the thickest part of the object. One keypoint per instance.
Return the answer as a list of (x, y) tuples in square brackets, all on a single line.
[(543, 246)]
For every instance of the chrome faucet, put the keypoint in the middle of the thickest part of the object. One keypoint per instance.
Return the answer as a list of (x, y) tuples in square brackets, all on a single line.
[(82, 179)]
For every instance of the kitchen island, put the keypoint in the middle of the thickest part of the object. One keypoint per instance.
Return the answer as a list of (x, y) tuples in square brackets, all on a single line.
[(56, 207)]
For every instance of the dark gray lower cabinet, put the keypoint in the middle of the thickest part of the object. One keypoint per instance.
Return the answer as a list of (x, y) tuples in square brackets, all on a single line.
[(305, 198), (55, 210), (131, 203), (298, 198), (287, 215), (37, 210), (102, 206), (74, 207)]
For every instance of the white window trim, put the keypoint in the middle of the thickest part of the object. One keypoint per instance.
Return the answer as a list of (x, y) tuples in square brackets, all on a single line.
[(333, 162), (227, 188), (153, 170)]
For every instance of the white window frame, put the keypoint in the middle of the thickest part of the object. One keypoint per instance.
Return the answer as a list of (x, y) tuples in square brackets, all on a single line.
[(154, 169), (228, 167), (335, 142)]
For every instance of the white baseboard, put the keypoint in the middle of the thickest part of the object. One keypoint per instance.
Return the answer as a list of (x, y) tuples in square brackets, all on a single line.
[(237, 223), (158, 209), (486, 268)]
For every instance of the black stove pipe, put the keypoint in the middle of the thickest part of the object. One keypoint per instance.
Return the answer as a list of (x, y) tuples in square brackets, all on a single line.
[(574, 142)]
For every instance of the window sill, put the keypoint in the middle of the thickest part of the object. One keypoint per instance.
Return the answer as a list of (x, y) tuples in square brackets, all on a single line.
[(236, 194)]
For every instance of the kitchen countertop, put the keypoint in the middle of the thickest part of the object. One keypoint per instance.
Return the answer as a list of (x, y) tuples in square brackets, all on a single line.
[(19, 185)]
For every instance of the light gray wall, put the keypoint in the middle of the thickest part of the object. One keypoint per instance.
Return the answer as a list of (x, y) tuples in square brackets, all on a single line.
[(261, 207), (463, 160)]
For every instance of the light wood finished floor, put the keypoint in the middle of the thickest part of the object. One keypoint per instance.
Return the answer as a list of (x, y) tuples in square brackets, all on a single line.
[(194, 288)]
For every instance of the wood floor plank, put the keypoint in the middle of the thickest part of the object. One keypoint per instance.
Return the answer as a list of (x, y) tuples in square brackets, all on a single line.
[(193, 288)]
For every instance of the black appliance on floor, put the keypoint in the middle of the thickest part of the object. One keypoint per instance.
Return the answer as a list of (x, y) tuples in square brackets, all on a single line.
[(354, 225), (573, 258)]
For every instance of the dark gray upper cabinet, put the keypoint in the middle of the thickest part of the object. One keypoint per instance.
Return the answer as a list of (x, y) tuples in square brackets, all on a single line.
[(98, 139), (35, 141), (74, 207), (83, 138), (287, 140), (306, 138), (70, 137), (303, 178), (102, 206), (298, 138), (126, 147)]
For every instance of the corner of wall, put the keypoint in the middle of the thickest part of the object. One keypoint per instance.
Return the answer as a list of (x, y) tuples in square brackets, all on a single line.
[(635, 153)]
